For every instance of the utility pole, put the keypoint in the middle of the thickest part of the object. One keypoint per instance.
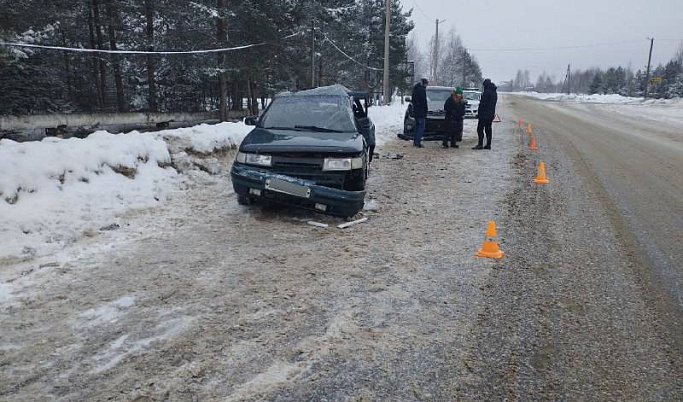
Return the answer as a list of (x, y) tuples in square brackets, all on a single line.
[(569, 78), (387, 31), (436, 52), (464, 67), (649, 61)]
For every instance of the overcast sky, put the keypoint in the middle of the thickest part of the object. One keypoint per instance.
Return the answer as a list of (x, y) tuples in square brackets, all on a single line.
[(514, 24)]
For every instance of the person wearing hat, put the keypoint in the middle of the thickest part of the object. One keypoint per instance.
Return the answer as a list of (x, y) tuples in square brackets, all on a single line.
[(455, 113), (487, 112)]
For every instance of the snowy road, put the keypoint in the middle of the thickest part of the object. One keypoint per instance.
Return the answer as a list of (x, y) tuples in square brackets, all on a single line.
[(587, 306), (217, 302)]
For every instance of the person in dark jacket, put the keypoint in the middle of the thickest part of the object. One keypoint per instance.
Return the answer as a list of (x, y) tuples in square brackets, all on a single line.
[(487, 112), (419, 101), (455, 113)]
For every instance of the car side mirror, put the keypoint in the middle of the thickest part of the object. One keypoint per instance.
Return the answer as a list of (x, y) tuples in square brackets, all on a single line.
[(251, 120), (408, 99)]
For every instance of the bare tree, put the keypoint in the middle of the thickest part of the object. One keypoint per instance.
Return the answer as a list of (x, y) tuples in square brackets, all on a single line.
[(679, 54), (451, 66), (417, 57)]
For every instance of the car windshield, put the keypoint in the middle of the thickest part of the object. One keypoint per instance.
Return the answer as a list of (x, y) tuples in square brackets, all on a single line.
[(472, 96), (316, 113), (438, 95)]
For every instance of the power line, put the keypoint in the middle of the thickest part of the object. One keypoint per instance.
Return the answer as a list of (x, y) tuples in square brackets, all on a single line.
[(138, 52), (521, 49), (422, 11), (349, 57)]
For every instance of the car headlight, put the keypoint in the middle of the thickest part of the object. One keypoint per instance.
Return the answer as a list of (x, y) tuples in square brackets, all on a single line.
[(342, 163), (254, 159)]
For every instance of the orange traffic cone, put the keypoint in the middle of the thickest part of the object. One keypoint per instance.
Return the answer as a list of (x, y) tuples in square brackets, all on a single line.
[(490, 248), (532, 142), (528, 128), (540, 177)]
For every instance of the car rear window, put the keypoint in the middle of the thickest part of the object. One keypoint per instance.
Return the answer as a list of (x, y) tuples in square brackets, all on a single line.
[(328, 112), (438, 95)]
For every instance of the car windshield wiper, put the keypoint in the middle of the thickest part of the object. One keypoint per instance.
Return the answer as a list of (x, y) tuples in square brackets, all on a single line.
[(282, 128), (321, 129)]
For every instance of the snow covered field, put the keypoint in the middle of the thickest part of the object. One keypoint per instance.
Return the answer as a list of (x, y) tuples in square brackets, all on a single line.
[(657, 110), (55, 191), (598, 98)]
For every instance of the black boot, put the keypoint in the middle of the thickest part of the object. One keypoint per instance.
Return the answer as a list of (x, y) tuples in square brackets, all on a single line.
[(478, 147), (454, 145), (444, 145), (487, 146)]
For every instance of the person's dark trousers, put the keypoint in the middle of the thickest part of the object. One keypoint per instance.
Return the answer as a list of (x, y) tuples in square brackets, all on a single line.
[(484, 126), (419, 131), (447, 134), (453, 132)]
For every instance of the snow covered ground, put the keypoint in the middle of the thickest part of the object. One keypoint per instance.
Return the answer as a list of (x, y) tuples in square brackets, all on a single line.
[(57, 191)]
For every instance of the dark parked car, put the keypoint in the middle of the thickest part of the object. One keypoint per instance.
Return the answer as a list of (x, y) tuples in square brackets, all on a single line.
[(436, 117), (310, 149)]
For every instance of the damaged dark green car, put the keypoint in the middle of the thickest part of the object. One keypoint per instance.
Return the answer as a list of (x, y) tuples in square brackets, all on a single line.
[(310, 149)]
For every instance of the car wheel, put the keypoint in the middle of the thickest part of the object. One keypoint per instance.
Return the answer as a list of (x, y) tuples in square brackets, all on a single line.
[(408, 129), (244, 200)]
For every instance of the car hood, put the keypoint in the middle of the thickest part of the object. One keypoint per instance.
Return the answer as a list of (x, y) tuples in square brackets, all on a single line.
[(261, 140), (473, 103)]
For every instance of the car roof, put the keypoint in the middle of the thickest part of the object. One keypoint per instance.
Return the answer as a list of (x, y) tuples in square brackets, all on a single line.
[(330, 90), (440, 88)]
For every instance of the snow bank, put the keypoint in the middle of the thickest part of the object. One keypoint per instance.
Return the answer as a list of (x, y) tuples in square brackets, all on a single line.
[(597, 98), (206, 139), (56, 191), (388, 121)]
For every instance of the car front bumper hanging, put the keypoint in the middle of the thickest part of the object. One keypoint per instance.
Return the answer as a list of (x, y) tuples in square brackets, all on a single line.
[(254, 183)]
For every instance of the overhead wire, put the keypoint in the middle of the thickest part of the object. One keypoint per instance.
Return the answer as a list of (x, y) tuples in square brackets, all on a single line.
[(424, 14), (521, 49), (139, 52), (327, 39)]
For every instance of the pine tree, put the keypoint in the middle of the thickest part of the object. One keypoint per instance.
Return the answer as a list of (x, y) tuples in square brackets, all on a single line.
[(597, 85)]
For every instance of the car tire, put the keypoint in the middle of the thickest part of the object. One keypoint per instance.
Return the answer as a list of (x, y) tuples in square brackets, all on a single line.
[(244, 200), (407, 134)]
